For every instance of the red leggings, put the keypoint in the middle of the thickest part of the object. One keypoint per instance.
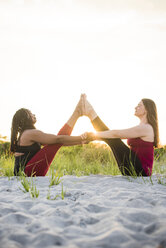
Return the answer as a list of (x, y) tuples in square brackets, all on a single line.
[(41, 161)]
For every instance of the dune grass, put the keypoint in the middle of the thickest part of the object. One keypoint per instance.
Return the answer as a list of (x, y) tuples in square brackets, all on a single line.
[(6, 166), (94, 158), (28, 185)]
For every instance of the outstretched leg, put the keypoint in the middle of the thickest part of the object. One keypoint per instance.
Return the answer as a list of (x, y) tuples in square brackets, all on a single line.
[(125, 157), (40, 163)]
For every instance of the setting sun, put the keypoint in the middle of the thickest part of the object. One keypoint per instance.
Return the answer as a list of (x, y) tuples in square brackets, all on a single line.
[(115, 56)]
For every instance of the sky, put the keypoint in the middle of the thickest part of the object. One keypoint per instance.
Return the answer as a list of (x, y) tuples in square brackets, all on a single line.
[(51, 51)]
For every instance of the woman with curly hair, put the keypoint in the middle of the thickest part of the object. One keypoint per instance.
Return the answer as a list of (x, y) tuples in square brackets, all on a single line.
[(26, 142)]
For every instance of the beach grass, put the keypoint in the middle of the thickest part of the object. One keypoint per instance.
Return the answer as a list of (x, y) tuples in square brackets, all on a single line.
[(82, 160), (7, 166), (94, 158), (28, 185)]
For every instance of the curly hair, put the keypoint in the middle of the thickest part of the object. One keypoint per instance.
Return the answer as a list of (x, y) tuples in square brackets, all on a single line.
[(152, 118), (21, 121)]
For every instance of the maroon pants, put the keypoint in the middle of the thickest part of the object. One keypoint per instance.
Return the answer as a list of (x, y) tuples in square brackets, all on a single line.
[(41, 161)]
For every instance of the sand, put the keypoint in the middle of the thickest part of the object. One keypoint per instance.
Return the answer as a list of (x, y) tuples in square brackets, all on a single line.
[(97, 211)]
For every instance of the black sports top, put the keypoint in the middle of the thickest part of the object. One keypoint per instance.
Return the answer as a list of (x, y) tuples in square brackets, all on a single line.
[(22, 160)]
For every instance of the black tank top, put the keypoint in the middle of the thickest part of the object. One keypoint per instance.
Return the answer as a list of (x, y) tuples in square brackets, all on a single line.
[(29, 152)]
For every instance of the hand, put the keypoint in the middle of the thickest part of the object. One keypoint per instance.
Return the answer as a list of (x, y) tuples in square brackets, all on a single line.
[(88, 136)]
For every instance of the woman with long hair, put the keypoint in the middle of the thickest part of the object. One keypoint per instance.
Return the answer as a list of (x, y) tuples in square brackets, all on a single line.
[(136, 157), (26, 142)]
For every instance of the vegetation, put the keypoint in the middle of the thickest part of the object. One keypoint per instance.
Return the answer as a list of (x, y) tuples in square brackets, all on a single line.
[(4, 148), (28, 185), (94, 158)]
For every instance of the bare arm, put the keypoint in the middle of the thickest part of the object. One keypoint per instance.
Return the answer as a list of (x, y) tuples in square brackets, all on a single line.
[(49, 139), (142, 131), (134, 132)]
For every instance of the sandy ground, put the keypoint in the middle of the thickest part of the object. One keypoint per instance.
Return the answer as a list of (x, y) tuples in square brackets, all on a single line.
[(97, 211)]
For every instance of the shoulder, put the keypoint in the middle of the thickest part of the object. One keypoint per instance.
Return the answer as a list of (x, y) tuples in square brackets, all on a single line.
[(29, 135), (149, 132), (147, 127), (31, 131), (142, 130)]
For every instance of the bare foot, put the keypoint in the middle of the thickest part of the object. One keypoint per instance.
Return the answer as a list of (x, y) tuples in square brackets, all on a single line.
[(79, 108), (87, 108)]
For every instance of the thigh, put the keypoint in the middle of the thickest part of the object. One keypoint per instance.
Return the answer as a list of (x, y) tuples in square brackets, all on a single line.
[(128, 162), (41, 161)]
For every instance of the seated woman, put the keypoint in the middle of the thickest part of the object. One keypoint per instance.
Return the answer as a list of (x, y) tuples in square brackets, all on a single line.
[(26, 142), (137, 157)]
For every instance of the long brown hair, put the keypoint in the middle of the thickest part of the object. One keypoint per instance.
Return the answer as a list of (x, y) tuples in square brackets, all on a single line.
[(152, 118), (21, 121)]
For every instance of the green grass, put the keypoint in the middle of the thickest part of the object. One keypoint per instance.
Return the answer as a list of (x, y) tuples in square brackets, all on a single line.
[(159, 166), (55, 177), (61, 195), (28, 185), (94, 158), (6, 166)]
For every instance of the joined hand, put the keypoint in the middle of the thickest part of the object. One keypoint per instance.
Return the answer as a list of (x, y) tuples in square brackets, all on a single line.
[(88, 136)]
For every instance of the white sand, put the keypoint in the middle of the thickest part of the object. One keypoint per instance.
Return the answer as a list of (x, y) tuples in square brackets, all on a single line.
[(98, 211)]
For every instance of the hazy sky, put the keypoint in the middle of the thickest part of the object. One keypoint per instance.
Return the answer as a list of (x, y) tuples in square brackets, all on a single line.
[(52, 51)]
